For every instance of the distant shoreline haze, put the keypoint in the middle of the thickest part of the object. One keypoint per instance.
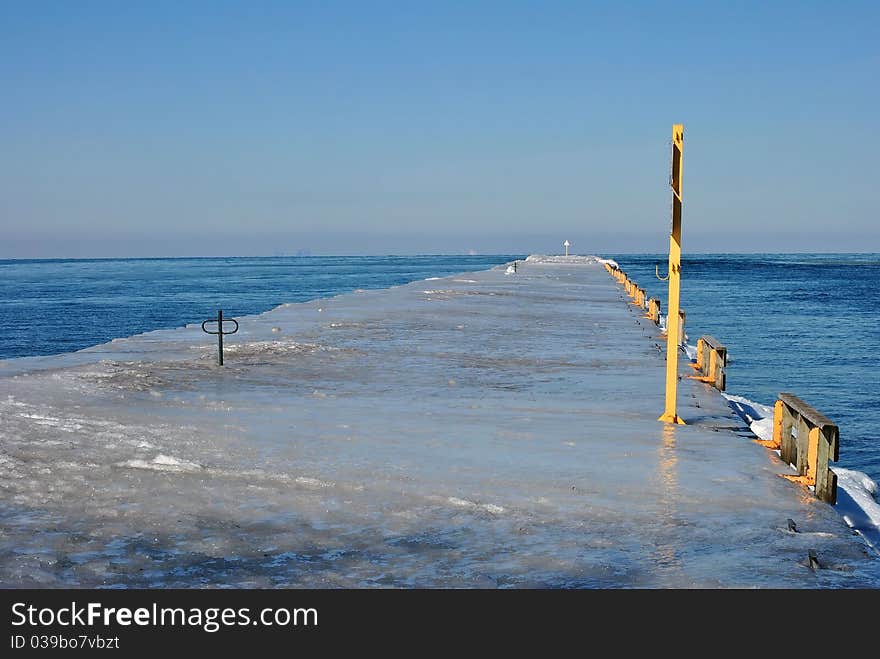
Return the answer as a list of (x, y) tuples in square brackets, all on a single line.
[(522, 254), (583, 241)]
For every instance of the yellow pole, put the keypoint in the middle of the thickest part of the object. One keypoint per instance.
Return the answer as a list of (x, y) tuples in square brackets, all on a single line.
[(672, 339)]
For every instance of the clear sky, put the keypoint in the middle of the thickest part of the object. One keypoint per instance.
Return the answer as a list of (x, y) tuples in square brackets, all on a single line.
[(250, 128)]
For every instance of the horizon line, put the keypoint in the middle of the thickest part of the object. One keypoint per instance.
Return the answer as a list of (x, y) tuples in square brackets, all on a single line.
[(415, 255)]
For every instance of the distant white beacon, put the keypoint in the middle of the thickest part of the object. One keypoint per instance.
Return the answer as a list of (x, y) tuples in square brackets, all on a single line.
[(566, 244)]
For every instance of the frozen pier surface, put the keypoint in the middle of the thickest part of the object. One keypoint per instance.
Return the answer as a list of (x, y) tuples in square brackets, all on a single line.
[(484, 430)]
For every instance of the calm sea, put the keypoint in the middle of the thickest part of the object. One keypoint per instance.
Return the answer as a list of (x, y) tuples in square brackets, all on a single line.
[(808, 324), (54, 306), (805, 323)]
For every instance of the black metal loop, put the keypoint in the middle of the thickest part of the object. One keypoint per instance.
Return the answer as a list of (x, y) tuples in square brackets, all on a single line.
[(219, 330)]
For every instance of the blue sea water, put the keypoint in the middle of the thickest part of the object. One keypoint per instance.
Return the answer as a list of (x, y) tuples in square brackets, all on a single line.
[(54, 306), (808, 324), (803, 323)]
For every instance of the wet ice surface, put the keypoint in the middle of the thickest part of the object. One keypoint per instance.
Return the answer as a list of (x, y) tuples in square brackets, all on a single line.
[(483, 430)]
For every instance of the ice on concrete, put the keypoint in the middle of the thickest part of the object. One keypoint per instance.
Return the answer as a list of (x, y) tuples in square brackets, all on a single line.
[(494, 432), (857, 502), (758, 416)]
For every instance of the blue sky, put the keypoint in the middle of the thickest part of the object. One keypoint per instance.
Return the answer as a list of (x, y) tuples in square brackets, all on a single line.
[(184, 128)]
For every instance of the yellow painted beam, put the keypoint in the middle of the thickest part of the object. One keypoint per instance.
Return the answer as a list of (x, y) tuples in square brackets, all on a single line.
[(809, 478), (670, 414), (776, 442)]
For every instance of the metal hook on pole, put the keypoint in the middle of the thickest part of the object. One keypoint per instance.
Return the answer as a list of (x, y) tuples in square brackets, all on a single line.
[(657, 272)]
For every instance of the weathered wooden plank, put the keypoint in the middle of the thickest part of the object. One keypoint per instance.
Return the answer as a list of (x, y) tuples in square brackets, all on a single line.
[(788, 449), (808, 411), (826, 479), (712, 341), (803, 438)]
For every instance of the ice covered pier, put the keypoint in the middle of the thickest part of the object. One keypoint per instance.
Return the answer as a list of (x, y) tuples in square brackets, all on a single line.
[(482, 430)]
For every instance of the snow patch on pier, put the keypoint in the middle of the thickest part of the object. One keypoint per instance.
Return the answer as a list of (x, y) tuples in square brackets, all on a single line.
[(574, 259)]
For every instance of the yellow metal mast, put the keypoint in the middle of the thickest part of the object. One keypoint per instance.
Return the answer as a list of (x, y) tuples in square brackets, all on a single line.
[(672, 327)]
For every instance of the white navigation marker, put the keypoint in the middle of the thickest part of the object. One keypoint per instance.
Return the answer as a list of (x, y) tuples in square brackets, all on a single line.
[(566, 244)]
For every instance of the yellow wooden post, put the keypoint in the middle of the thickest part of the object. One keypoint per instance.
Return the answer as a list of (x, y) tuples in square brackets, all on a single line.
[(812, 456), (812, 462), (778, 427), (700, 354), (672, 329), (778, 419)]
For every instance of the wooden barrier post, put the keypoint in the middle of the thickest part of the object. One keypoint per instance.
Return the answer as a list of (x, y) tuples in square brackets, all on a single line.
[(699, 364), (653, 310), (803, 433), (711, 362), (638, 296), (787, 447), (817, 443), (828, 451)]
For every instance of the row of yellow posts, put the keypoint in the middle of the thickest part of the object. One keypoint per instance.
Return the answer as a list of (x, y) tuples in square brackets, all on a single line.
[(806, 439), (711, 362), (815, 440), (640, 298)]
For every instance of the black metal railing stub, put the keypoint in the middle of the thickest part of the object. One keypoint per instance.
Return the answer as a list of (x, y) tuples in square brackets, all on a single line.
[(219, 331)]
